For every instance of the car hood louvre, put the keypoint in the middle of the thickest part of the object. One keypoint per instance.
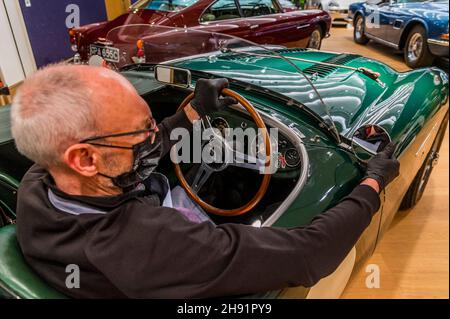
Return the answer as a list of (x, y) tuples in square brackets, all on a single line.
[(324, 70)]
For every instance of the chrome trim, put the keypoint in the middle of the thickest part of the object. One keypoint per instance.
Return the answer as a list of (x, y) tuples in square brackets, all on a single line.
[(303, 26), (438, 42), (374, 38), (295, 137)]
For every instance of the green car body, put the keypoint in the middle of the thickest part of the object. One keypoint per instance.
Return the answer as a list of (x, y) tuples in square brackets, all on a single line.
[(411, 106)]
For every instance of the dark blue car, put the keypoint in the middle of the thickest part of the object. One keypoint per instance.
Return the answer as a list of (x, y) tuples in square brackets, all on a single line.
[(419, 28)]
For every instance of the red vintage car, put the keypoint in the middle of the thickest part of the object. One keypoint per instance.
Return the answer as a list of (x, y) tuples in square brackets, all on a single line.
[(259, 21)]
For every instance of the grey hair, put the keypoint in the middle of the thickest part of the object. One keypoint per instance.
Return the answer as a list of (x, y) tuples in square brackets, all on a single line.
[(52, 110)]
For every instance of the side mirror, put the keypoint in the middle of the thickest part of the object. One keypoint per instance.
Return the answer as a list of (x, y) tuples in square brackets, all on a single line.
[(173, 76), (369, 140)]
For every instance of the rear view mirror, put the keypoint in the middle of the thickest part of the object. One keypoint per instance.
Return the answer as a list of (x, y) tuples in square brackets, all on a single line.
[(369, 140), (173, 76)]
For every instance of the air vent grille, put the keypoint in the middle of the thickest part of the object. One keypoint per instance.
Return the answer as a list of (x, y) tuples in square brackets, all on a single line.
[(324, 70)]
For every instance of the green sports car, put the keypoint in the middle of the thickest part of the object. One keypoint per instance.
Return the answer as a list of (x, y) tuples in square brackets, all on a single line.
[(319, 102)]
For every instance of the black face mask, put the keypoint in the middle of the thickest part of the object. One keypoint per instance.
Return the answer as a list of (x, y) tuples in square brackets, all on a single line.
[(146, 156), (145, 159)]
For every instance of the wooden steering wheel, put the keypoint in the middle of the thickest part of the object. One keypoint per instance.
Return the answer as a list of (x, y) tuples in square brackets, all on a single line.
[(205, 170)]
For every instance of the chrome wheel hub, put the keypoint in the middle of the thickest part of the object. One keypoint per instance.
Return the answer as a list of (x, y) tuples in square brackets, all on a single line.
[(359, 28), (314, 41), (415, 47)]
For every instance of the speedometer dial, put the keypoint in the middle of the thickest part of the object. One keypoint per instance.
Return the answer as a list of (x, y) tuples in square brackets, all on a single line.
[(292, 157)]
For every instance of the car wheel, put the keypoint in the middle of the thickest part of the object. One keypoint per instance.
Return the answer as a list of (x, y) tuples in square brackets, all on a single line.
[(416, 50), (315, 39), (417, 188), (358, 31)]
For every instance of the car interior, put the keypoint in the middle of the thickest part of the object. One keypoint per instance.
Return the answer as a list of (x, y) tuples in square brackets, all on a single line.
[(225, 189)]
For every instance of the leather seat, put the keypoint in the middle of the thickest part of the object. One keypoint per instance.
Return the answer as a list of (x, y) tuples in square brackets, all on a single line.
[(17, 279)]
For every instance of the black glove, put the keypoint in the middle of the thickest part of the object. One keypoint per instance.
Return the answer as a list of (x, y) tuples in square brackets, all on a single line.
[(207, 96), (384, 167)]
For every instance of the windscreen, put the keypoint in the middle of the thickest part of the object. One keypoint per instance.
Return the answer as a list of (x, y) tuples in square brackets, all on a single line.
[(221, 55)]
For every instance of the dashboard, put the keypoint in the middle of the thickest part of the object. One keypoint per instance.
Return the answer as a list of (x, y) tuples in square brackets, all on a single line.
[(236, 185), (287, 155)]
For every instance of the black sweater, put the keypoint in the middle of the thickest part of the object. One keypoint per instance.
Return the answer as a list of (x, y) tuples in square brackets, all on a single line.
[(139, 249)]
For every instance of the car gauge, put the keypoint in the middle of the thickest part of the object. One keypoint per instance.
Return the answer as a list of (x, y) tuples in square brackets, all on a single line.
[(292, 157), (221, 124)]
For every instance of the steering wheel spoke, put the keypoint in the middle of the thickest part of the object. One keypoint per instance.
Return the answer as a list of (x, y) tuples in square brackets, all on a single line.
[(246, 161), (202, 175)]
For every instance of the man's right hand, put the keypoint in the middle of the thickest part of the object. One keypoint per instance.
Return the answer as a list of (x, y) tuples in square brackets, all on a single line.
[(207, 96), (384, 167)]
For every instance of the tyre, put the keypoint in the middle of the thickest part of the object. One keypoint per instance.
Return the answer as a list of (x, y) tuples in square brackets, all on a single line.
[(315, 39), (358, 31), (417, 188), (416, 52)]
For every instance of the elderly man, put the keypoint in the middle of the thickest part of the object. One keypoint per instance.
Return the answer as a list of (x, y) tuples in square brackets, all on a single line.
[(92, 200)]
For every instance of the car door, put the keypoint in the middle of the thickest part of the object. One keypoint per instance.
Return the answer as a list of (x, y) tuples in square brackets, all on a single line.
[(376, 18), (223, 16)]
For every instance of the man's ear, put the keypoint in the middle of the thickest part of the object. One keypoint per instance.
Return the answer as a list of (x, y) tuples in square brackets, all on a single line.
[(83, 159)]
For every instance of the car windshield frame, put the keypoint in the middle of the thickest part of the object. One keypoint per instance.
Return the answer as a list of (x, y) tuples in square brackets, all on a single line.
[(192, 44)]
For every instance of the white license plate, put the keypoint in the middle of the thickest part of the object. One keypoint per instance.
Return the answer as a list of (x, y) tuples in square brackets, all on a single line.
[(110, 54)]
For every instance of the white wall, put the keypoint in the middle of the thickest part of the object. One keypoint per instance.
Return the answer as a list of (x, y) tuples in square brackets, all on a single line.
[(16, 56)]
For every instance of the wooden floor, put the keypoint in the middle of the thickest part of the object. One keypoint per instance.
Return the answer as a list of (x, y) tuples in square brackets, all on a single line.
[(413, 256)]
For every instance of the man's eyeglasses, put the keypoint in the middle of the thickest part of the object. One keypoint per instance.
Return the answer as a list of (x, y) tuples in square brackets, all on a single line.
[(152, 130)]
